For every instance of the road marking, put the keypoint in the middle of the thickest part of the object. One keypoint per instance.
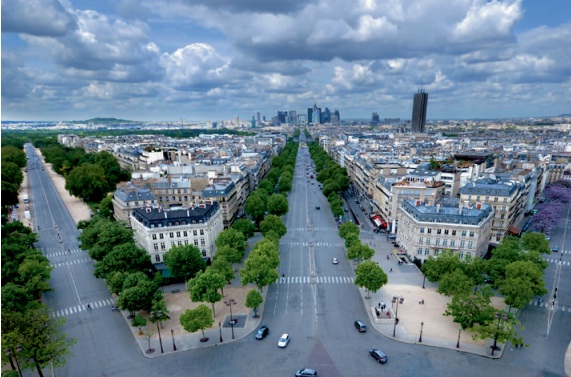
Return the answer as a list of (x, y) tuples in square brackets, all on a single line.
[(82, 308), (72, 262), (318, 279)]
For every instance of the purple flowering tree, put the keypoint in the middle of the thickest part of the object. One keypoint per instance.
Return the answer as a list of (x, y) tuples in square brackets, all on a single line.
[(547, 216), (558, 193)]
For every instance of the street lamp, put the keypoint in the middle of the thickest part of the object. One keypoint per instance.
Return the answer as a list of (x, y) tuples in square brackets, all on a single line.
[(423, 280), (420, 338), (499, 318), (173, 344), (220, 329), (229, 303), (396, 300), (156, 317)]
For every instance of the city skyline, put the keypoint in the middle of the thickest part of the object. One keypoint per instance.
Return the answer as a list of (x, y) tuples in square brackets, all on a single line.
[(211, 60)]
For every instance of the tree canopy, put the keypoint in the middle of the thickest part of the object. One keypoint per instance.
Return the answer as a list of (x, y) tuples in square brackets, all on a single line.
[(370, 275), (184, 261)]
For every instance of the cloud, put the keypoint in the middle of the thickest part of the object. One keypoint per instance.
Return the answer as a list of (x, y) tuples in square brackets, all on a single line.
[(36, 17), (251, 6)]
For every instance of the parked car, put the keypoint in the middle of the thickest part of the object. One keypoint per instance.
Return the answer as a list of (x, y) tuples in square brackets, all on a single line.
[(378, 355), (547, 237), (317, 207), (305, 372), (360, 326), (262, 332), (555, 249), (284, 340), (335, 261)]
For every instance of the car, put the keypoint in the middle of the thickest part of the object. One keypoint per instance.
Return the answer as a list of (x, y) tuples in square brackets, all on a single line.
[(317, 207), (555, 249), (345, 209), (335, 261), (360, 325), (284, 340), (547, 237), (262, 332), (305, 372), (378, 355)]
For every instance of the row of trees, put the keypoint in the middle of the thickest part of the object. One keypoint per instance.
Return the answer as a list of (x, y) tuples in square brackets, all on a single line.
[(29, 334), (13, 161), (332, 176), (515, 270), (368, 275), (557, 195)]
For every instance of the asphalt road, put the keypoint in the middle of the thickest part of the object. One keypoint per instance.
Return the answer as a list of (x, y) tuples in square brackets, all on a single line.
[(316, 304)]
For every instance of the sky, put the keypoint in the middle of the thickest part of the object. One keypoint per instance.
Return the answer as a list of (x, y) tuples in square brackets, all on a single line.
[(201, 60)]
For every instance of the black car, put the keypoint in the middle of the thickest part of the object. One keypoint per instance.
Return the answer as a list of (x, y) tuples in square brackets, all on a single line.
[(305, 372), (378, 355), (262, 332)]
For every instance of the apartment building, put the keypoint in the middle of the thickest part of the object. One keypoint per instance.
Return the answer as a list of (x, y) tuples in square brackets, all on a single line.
[(157, 230), (128, 197), (427, 230)]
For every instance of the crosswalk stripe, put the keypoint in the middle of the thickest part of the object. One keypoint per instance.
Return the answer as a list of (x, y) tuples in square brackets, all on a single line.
[(308, 280)]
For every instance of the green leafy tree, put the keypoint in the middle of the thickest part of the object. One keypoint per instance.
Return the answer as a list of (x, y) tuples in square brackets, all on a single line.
[(9, 193), (267, 186), (347, 228), (87, 182), (267, 247), (106, 207), (126, 258), (232, 238), (455, 282), (447, 262), (35, 275), (277, 205), (204, 287), (231, 254), (274, 223), (536, 242), (115, 282), (256, 205), (245, 226), (185, 261), (253, 300), (101, 235), (524, 280), (221, 266), (12, 173), (257, 270), (360, 252), (139, 297), (502, 327), (197, 319), (370, 275), (15, 155), (352, 239), (138, 321), (15, 298), (159, 310)]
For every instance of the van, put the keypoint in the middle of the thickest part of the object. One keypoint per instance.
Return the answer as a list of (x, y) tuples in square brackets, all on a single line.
[(360, 326)]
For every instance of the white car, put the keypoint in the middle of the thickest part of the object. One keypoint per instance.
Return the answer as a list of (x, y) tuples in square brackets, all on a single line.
[(284, 340), (334, 261)]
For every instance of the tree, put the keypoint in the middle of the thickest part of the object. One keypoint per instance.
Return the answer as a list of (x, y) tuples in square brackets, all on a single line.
[(455, 282), (523, 281), (253, 300), (269, 248), (115, 282), (197, 319), (101, 235), (257, 270), (185, 261), (447, 262), (221, 266), (267, 186), (123, 258), (501, 327), (370, 276), (40, 338), (106, 207), (139, 297), (256, 205), (245, 226), (347, 228), (15, 298), (231, 254), (204, 287), (277, 205), (232, 238), (35, 275), (12, 154), (352, 239), (12, 173), (360, 252), (275, 223), (138, 321), (87, 182), (532, 241), (558, 193), (548, 216)]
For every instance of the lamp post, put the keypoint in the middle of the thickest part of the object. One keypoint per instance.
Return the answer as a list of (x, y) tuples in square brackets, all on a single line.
[(156, 317), (423, 280), (220, 329), (499, 317), (229, 303), (173, 343), (396, 300), (420, 338)]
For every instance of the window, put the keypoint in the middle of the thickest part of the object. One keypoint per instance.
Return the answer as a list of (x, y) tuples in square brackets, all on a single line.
[(203, 252), (462, 243), (446, 231), (421, 230), (186, 242), (194, 232), (202, 241), (495, 199), (420, 240), (461, 255), (154, 236), (195, 242), (419, 251), (452, 243), (156, 246), (171, 234), (429, 230), (185, 233), (453, 232), (444, 243), (437, 242), (470, 245), (162, 236), (438, 231), (426, 251), (463, 233), (505, 200), (428, 241), (435, 253), (163, 246), (472, 233), (157, 257), (202, 232)]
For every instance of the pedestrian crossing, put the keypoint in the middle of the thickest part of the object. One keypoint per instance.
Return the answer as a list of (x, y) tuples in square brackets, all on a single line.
[(557, 261), (82, 308), (548, 304), (62, 253), (316, 280), (317, 244), (74, 261), (317, 229)]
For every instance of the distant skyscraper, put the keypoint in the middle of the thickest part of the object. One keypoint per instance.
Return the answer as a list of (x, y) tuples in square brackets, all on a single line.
[(419, 108), (336, 113), (282, 116), (309, 114), (259, 117), (375, 119), (236, 121)]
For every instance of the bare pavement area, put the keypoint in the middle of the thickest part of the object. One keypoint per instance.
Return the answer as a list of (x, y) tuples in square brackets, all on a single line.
[(414, 316)]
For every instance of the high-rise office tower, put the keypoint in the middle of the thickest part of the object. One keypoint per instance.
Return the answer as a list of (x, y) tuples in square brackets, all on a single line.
[(419, 108), (375, 119)]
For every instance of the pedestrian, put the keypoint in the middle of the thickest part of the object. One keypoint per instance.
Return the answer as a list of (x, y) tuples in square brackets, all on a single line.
[(391, 269), (379, 305), (88, 307)]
